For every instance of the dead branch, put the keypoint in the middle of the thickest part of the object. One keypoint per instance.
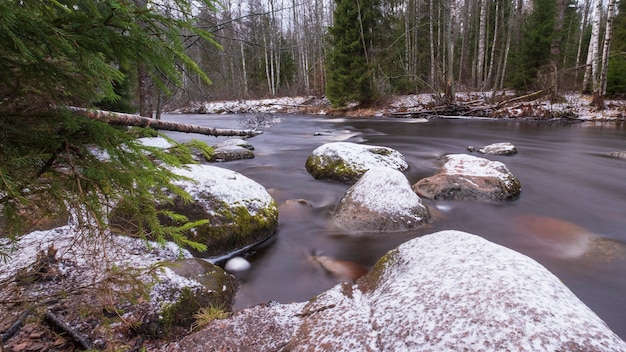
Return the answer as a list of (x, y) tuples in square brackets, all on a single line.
[(14, 328), (58, 323), (116, 118), (523, 97)]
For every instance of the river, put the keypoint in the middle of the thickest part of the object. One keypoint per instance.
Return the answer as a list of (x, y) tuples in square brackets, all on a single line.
[(571, 192)]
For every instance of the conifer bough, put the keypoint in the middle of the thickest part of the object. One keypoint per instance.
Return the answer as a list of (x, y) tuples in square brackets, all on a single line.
[(115, 118)]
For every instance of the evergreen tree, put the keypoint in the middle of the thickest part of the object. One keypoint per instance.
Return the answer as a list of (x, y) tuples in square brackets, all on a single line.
[(534, 52), (56, 54), (616, 77), (349, 71)]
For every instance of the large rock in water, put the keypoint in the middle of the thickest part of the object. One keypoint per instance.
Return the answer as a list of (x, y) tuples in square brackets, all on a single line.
[(465, 177), (240, 211), (232, 149), (448, 291), (347, 162), (381, 201)]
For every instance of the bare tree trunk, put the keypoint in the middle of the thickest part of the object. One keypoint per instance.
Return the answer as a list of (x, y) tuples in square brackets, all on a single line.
[(465, 40), (587, 7), (144, 86), (431, 40), (493, 44), (114, 118), (480, 64), (505, 59), (244, 72), (144, 82), (450, 38), (555, 48), (605, 55), (591, 68)]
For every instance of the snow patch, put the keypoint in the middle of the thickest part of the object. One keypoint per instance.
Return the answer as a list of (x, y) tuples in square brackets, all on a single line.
[(229, 186), (467, 165), (363, 156), (386, 191)]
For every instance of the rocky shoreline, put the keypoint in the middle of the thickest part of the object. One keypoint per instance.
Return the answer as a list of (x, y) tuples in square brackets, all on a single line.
[(470, 105)]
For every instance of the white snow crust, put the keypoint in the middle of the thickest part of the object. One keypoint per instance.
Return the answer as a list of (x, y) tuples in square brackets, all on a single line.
[(454, 291), (467, 165), (229, 186), (361, 156), (387, 191), (82, 260), (156, 142)]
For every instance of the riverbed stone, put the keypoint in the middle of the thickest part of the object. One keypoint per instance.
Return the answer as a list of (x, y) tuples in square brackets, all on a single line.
[(234, 142), (232, 149), (498, 149), (381, 201), (347, 162), (466, 177), (447, 291), (240, 211), (230, 153)]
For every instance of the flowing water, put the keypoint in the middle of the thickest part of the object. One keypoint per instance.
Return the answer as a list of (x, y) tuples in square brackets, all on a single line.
[(570, 215)]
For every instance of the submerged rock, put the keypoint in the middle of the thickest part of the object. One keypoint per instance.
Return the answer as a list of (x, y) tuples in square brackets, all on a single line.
[(347, 162), (448, 291), (465, 177), (234, 142), (230, 153), (618, 155), (342, 269), (381, 201), (232, 149), (240, 211)]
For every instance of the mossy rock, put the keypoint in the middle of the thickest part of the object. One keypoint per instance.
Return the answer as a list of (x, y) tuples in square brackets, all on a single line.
[(347, 162), (239, 211), (217, 289)]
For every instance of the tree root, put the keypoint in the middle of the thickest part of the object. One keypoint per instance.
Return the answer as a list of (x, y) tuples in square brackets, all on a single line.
[(54, 321)]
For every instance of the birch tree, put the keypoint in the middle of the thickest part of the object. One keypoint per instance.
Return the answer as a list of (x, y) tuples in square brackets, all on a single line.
[(590, 80), (608, 34)]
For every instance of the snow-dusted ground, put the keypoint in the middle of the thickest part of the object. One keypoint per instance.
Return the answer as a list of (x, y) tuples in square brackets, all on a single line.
[(576, 105)]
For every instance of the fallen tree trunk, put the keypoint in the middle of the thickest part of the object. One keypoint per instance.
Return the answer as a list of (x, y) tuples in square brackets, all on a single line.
[(116, 118), (523, 97)]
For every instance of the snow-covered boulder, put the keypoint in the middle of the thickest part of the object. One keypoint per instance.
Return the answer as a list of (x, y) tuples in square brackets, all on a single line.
[(496, 149), (347, 162), (240, 211), (448, 291), (465, 177), (381, 201)]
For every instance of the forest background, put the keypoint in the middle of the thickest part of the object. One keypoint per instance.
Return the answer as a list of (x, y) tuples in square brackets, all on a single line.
[(369, 50)]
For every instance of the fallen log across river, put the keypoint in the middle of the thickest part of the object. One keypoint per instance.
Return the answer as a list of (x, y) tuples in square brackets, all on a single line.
[(116, 118)]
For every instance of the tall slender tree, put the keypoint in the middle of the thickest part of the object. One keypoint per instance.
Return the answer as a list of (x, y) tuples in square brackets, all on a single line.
[(616, 73)]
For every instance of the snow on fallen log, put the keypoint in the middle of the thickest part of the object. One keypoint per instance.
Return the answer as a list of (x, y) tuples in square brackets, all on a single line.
[(116, 118)]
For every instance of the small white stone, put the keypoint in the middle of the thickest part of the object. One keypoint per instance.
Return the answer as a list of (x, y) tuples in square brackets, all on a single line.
[(237, 264)]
